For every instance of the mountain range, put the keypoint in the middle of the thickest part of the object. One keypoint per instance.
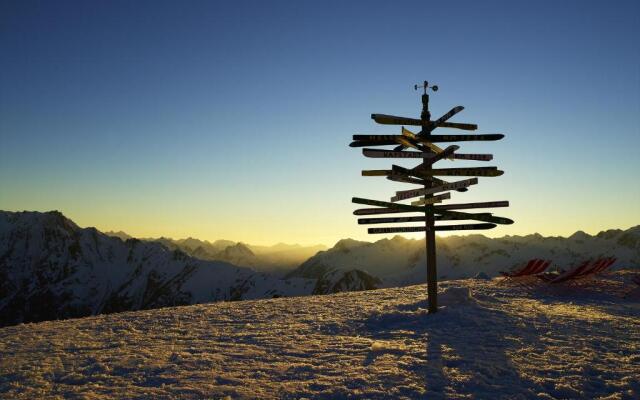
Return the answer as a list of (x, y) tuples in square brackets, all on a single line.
[(277, 259), (50, 268), (399, 261)]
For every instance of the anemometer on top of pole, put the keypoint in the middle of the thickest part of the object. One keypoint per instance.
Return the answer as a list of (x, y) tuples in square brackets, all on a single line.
[(432, 190), (426, 86)]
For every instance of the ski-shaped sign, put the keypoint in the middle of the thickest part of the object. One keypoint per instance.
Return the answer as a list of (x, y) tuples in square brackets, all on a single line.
[(385, 140), (386, 204), (477, 217), (405, 179), (429, 174), (448, 115), (377, 153), (461, 138), (379, 210), (408, 194), (477, 171), (464, 206), (401, 229), (393, 120), (377, 137), (464, 227), (376, 172), (429, 139), (431, 200), (367, 143), (458, 125), (475, 157), (390, 220)]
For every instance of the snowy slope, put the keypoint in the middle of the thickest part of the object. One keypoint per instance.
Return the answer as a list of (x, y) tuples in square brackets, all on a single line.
[(400, 261), (487, 342), (50, 268)]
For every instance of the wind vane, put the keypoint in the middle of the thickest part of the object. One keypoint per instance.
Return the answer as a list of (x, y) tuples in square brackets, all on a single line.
[(432, 190)]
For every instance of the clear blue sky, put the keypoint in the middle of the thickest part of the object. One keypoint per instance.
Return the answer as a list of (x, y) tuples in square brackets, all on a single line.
[(232, 119)]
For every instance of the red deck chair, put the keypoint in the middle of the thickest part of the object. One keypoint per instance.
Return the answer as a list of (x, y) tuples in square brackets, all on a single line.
[(525, 270), (597, 268), (605, 266), (549, 276), (532, 268), (542, 267), (575, 271)]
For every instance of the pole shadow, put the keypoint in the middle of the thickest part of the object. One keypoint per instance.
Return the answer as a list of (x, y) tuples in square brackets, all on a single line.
[(465, 348)]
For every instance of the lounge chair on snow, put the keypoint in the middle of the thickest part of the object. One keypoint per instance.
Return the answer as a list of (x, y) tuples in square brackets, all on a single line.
[(531, 268), (583, 270)]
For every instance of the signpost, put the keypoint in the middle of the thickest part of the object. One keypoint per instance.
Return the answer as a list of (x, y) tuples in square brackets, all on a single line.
[(427, 153), (378, 153)]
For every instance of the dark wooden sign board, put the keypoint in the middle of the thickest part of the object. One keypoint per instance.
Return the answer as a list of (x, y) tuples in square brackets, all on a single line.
[(427, 153)]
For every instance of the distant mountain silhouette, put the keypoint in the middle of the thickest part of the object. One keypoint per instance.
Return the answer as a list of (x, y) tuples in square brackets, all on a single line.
[(277, 259), (400, 261)]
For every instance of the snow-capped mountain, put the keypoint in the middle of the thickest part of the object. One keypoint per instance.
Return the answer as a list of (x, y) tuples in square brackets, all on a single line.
[(278, 259), (336, 281), (399, 261), (50, 268)]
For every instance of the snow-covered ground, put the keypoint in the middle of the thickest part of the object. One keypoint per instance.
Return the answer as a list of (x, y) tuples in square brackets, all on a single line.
[(488, 341)]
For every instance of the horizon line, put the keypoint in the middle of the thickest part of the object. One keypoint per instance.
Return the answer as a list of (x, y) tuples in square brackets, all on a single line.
[(328, 246)]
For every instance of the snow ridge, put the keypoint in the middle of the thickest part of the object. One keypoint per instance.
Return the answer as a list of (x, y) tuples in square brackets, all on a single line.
[(400, 261)]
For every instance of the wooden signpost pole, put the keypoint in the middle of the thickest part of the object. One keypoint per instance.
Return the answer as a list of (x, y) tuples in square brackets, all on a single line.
[(426, 176), (430, 234)]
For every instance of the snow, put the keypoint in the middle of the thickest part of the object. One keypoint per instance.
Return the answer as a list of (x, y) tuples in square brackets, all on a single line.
[(400, 261), (487, 341), (50, 268)]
